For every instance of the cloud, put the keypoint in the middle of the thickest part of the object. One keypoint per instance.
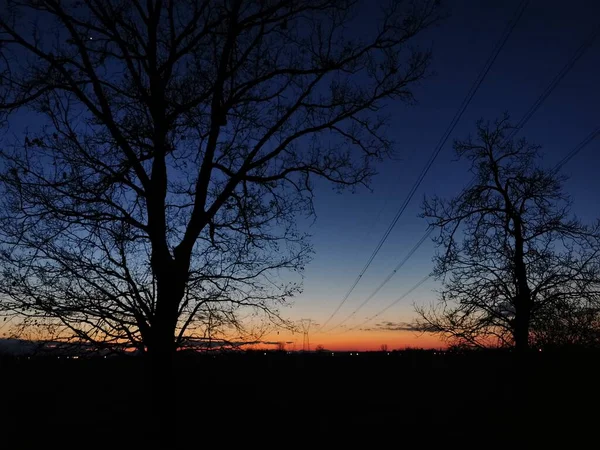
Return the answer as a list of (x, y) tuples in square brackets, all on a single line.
[(392, 326), (215, 343)]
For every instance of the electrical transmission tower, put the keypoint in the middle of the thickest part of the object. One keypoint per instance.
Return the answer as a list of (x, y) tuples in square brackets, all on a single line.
[(305, 325)]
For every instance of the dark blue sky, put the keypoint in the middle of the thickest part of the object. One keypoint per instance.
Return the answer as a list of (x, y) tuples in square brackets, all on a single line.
[(349, 226)]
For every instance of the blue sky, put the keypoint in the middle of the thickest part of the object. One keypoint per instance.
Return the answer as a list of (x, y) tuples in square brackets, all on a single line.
[(349, 225)]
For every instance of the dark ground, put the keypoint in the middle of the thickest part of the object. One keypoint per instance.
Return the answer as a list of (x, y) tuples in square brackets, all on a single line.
[(373, 400)]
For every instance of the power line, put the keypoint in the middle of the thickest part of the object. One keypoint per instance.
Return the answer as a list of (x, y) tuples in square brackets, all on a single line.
[(530, 112), (555, 81), (585, 45), (465, 103), (589, 138), (394, 303), (545, 94), (387, 279)]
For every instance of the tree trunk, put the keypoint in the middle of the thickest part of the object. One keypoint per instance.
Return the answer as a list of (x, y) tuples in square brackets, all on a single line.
[(160, 376), (523, 300), (171, 278), (160, 389), (521, 326)]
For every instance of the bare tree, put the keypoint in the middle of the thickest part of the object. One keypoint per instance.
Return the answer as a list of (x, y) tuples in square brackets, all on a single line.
[(172, 145), (567, 324), (510, 249)]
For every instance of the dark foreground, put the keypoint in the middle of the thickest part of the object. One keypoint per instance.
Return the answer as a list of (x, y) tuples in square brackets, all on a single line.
[(310, 400)]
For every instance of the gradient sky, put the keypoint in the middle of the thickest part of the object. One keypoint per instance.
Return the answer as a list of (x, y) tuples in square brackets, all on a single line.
[(349, 226)]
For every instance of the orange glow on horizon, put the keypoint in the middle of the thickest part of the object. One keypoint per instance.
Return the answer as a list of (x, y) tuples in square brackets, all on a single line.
[(358, 341)]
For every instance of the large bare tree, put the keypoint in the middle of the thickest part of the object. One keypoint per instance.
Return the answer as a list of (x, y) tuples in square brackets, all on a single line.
[(170, 146), (511, 254)]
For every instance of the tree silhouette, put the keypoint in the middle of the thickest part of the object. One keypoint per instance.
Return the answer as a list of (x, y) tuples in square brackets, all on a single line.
[(567, 324), (172, 144), (522, 257)]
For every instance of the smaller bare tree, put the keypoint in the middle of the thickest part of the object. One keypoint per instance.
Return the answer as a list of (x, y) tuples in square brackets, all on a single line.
[(512, 255)]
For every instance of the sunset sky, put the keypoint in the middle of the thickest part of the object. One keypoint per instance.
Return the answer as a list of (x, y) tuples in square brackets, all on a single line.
[(349, 226)]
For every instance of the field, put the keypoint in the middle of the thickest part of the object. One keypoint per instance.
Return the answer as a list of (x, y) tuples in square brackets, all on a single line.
[(284, 399)]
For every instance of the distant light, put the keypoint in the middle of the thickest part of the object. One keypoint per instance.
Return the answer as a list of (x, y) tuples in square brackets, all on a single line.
[(75, 357), (540, 350), (265, 353), (105, 357), (91, 38), (332, 353), (388, 354)]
